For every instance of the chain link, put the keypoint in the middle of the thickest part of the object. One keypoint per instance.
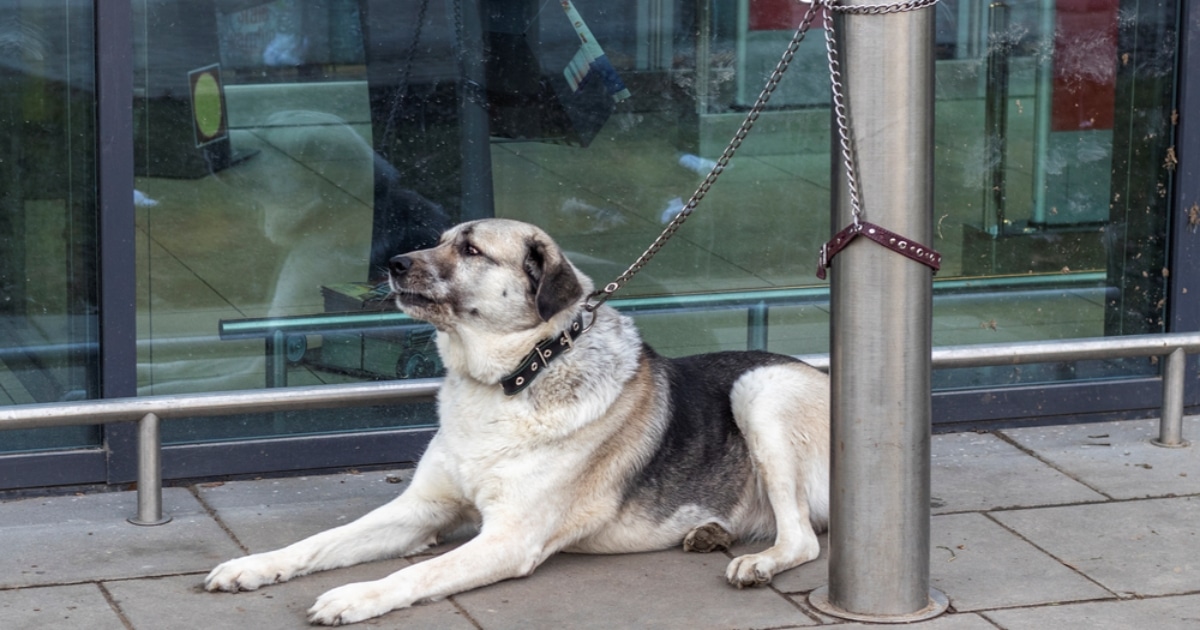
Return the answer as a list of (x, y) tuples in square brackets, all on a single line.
[(844, 136), (842, 119), (877, 9), (840, 116), (599, 297)]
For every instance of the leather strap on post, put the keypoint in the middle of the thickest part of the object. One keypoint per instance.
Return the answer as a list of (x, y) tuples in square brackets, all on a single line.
[(904, 246)]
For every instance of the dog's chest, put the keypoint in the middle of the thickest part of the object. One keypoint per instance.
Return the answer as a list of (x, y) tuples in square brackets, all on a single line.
[(487, 435)]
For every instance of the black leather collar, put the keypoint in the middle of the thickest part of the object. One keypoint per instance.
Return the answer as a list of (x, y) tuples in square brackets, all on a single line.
[(540, 357)]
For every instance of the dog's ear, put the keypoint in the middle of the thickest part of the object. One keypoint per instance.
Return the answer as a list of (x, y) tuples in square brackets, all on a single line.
[(554, 283)]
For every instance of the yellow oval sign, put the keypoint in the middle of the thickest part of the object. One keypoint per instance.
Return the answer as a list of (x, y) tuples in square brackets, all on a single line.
[(206, 105)]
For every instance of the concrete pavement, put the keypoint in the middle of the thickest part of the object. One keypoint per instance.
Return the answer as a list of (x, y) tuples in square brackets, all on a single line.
[(1083, 526)]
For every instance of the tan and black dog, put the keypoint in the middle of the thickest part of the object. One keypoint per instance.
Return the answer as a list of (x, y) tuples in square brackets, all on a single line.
[(560, 431)]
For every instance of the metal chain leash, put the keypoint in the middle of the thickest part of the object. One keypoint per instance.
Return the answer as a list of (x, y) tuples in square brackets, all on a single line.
[(843, 123), (888, 239), (877, 9), (845, 137), (599, 297), (777, 75)]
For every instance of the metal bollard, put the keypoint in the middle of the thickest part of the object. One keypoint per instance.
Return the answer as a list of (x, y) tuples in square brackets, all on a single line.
[(149, 486), (1170, 425), (881, 332)]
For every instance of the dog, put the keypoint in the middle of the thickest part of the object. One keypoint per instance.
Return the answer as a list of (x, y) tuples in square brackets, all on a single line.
[(560, 430)]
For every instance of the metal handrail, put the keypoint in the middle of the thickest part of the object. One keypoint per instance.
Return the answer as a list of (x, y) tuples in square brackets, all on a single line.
[(90, 412), (371, 320), (1026, 352), (278, 333), (1172, 347), (149, 410)]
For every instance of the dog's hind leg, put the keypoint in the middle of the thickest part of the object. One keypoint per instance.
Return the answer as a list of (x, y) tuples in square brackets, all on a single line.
[(707, 538), (778, 410), (407, 524)]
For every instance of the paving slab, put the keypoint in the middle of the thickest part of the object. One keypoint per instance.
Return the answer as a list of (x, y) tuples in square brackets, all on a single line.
[(979, 471), (281, 606), (979, 564), (1144, 548), (666, 589), (58, 608), (57, 540), (266, 514), (1116, 458), (1164, 613)]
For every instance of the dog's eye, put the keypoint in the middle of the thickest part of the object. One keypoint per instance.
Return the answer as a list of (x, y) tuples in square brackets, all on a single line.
[(470, 250)]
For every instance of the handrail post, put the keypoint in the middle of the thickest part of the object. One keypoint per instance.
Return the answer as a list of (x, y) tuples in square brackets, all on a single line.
[(276, 351), (149, 483), (881, 330), (1170, 424), (756, 326)]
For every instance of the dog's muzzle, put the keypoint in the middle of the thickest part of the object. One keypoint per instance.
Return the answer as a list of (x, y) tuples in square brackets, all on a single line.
[(399, 265)]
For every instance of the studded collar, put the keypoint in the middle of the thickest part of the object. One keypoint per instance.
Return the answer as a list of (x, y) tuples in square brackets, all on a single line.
[(540, 357)]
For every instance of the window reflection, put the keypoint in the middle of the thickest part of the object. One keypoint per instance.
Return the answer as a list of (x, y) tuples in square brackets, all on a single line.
[(47, 214), (360, 129)]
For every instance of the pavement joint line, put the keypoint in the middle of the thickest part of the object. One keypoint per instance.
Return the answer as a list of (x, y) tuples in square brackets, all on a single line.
[(1062, 562), (1046, 506), (1126, 597), (1032, 453), (212, 513), (466, 614), (102, 580), (1079, 602), (157, 576), (116, 608), (794, 601)]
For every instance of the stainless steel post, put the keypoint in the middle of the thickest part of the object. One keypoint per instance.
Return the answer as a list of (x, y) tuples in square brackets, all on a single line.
[(276, 352), (881, 330), (1170, 425), (149, 483)]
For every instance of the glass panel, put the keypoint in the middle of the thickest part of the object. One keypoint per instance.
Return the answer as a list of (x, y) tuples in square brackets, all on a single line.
[(286, 149), (47, 215), (256, 184), (1054, 129)]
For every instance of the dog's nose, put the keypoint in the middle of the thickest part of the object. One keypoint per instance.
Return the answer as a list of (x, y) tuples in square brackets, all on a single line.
[(399, 265)]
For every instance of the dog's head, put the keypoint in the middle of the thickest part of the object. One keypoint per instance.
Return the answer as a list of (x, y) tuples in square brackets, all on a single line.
[(493, 275)]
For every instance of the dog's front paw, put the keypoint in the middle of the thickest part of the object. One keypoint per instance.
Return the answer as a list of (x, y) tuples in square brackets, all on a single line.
[(350, 604), (246, 574), (753, 569)]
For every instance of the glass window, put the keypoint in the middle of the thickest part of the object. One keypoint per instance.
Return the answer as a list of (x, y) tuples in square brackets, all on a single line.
[(286, 149), (256, 193), (1054, 165), (47, 215)]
